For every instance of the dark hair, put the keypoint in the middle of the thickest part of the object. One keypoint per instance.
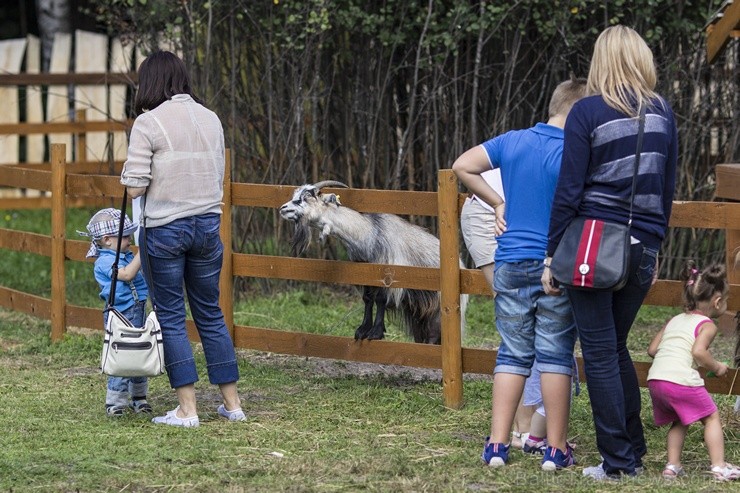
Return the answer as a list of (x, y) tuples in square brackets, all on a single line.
[(701, 285), (161, 75)]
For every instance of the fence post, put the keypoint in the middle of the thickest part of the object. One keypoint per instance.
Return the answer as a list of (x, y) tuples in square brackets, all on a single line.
[(449, 264), (728, 188), (81, 153), (226, 282), (58, 226)]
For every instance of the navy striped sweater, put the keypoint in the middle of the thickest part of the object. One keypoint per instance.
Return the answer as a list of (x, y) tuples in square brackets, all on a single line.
[(598, 162)]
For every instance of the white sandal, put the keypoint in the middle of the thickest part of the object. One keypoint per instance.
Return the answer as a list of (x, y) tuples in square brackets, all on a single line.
[(672, 472)]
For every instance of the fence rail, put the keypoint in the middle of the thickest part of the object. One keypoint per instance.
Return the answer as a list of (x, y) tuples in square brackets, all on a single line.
[(68, 185)]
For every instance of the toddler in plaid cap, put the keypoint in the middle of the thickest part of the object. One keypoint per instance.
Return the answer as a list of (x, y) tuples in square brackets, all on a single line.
[(130, 298)]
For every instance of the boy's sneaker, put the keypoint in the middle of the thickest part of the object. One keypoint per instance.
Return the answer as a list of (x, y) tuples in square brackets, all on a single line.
[(554, 459), (495, 454), (727, 473), (532, 447), (141, 406), (114, 411)]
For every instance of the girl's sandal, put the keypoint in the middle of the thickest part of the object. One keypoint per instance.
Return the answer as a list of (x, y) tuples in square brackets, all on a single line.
[(672, 472)]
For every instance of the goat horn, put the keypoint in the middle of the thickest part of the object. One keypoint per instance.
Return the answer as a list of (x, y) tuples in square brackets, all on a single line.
[(329, 183)]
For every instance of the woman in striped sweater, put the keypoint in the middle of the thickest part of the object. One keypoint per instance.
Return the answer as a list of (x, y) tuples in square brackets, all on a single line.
[(595, 181)]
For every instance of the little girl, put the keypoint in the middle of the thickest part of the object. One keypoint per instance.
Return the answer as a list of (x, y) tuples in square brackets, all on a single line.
[(676, 388), (130, 299)]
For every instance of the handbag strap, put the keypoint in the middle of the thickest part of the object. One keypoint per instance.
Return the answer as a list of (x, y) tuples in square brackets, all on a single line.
[(114, 267), (142, 253), (638, 152)]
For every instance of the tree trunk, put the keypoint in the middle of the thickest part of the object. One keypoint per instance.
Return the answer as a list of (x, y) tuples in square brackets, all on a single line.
[(54, 16)]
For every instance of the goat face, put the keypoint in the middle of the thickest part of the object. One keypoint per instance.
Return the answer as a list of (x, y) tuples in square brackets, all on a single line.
[(307, 208), (305, 199)]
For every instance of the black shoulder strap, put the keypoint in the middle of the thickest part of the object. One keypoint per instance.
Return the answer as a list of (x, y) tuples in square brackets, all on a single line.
[(114, 275), (144, 257), (142, 253)]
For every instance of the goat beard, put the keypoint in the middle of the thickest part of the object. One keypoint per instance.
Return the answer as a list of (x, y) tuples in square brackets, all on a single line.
[(301, 237)]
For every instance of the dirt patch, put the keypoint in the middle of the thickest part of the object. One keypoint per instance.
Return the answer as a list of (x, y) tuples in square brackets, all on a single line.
[(340, 368)]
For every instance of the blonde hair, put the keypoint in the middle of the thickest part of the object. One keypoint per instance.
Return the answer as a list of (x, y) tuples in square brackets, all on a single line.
[(565, 96), (622, 70)]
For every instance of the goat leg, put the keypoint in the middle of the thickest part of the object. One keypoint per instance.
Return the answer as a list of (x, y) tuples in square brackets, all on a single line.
[(368, 296), (378, 328)]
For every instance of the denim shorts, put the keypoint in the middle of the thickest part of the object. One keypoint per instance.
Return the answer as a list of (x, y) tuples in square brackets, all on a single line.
[(531, 323)]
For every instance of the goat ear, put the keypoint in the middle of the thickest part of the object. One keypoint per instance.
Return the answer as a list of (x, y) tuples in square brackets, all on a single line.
[(331, 198)]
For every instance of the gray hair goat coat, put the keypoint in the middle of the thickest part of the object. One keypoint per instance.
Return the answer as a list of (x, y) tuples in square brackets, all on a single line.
[(373, 238)]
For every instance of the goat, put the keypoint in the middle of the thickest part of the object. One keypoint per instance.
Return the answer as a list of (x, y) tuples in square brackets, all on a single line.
[(378, 239)]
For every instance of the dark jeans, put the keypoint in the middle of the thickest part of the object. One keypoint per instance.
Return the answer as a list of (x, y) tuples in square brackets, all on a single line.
[(604, 319), (188, 252)]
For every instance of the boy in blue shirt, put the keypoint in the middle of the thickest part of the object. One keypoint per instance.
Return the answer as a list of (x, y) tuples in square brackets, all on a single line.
[(130, 300), (531, 323)]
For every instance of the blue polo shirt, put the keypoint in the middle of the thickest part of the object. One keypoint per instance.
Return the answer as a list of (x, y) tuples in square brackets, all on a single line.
[(104, 275), (530, 163)]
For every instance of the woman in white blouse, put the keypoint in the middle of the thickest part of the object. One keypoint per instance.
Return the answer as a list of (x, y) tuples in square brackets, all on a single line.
[(176, 160)]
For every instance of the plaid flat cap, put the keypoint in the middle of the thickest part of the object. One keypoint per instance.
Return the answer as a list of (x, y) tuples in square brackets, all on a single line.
[(106, 222)]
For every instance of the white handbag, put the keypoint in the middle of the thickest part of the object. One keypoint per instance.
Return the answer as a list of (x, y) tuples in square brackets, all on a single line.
[(130, 351)]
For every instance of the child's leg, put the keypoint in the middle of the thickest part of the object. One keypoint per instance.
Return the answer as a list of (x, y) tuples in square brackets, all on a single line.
[(139, 388), (507, 391), (539, 424), (531, 398), (674, 442), (522, 424), (556, 395), (116, 397), (714, 438)]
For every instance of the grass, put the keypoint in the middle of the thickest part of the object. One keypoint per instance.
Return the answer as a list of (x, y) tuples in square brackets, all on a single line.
[(314, 425)]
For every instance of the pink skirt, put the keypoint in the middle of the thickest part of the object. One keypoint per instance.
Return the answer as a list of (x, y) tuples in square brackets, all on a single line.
[(674, 402)]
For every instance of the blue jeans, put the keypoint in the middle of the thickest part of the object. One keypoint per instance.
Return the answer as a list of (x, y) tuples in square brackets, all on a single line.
[(531, 323), (121, 388), (604, 319), (189, 252)]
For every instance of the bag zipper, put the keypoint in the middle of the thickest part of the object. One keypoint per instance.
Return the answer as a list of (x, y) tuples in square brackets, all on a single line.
[(125, 346)]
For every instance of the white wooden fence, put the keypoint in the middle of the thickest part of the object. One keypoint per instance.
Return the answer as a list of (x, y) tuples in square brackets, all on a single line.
[(81, 53)]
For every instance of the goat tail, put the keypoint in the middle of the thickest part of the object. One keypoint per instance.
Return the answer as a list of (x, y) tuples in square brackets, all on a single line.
[(420, 316)]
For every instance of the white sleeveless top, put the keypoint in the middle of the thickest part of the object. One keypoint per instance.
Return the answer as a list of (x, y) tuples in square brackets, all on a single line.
[(673, 361)]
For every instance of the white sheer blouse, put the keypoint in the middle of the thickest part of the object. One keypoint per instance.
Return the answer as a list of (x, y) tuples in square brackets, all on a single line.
[(176, 151)]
